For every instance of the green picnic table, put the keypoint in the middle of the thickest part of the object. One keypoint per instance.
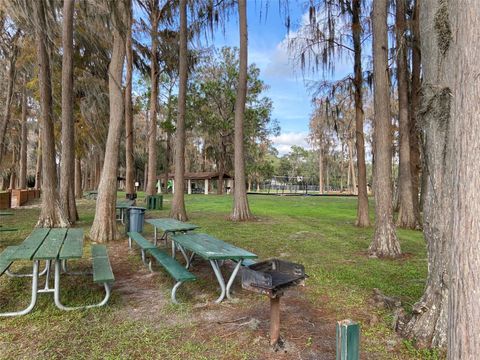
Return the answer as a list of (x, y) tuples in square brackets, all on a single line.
[(123, 205), (172, 226), (214, 251), (57, 246)]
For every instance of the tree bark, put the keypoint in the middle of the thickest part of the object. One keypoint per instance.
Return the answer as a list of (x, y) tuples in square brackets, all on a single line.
[(320, 169), (178, 203), (152, 134), (78, 178), (241, 209), (8, 100), (24, 140), (415, 154), (104, 227), (385, 242), (13, 171), (406, 215), (38, 165), (464, 310), (129, 160), (428, 325), (67, 166), (362, 204), (51, 214)]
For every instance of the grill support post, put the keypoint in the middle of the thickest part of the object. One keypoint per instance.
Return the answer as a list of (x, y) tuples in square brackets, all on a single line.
[(274, 320)]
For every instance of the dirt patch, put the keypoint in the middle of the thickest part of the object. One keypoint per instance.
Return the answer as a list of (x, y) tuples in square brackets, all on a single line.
[(307, 332)]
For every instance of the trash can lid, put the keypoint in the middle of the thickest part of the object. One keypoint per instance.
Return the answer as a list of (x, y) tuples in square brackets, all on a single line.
[(136, 208)]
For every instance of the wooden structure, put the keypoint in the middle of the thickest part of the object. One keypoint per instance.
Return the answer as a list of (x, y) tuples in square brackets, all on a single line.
[(198, 177)]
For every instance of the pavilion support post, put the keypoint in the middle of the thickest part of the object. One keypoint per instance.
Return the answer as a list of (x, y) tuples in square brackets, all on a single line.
[(173, 186), (206, 186), (189, 186)]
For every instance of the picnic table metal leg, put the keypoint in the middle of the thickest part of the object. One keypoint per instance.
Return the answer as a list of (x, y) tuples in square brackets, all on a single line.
[(174, 290), (47, 288), (232, 278), (12, 274), (33, 301), (221, 281), (56, 293)]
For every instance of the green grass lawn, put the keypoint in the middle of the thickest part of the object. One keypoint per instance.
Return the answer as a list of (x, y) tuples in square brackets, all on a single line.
[(318, 232)]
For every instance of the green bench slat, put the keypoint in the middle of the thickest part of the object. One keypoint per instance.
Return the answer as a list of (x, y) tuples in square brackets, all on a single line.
[(99, 251), (102, 270), (52, 245), (29, 246), (5, 260), (140, 240), (177, 271), (73, 245)]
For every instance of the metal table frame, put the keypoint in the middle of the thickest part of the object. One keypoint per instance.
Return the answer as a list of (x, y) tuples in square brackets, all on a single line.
[(59, 264), (215, 263)]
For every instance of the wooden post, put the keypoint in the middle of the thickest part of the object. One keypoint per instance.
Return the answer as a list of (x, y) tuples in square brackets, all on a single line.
[(348, 340), (173, 186), (206, 186), (189, 186), (274, 320)]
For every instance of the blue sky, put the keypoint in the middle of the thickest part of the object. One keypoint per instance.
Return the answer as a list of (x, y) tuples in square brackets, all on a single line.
[(267, 39)]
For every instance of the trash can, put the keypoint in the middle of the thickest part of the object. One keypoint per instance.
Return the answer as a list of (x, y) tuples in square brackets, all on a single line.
[(135, 219), (154, 202)]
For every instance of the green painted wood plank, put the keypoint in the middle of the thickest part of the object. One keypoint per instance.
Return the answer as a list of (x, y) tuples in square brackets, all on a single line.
[(51, 246), (27, 249), (99, 251), (171, 225), (140, 240), (177, 271), (102, 270), (211, 248), (5, 260), (73, 245)]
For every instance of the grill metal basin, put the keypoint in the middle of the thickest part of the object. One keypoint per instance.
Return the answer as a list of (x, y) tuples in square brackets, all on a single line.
[(272, 276)]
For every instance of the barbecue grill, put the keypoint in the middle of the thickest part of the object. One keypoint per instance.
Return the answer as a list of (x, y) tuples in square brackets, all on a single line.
[(272, 277)]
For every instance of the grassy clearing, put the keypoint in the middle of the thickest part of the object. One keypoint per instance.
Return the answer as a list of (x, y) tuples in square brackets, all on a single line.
[(318, 232)]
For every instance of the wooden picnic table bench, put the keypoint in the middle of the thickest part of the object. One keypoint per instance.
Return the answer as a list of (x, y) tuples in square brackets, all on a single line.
[(214, 251), (173, 268), (55, 245)]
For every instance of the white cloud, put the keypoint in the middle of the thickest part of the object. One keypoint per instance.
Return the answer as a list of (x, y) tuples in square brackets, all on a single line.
[(285, 141)]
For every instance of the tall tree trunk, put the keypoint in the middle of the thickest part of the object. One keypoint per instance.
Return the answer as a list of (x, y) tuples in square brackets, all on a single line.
[(152, 134), (406, 215), (415, 159), (385, 242), (24, 140), (13, 171), (178, 203), (320, 169), (104, 227), (78, 178), (428, 324), (51, 214), (38, 164), (351, 167), (362, 204), (464, 310), (8, 100), (241, 209), (168, 152), (67, 166), (129, 160)]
